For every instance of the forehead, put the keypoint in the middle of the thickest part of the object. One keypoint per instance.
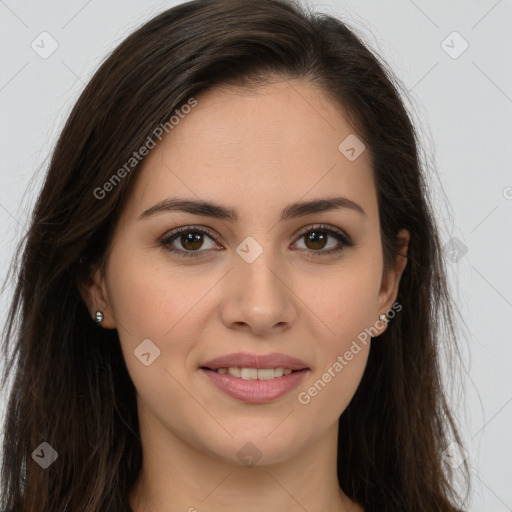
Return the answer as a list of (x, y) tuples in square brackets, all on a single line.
[(275, 144)]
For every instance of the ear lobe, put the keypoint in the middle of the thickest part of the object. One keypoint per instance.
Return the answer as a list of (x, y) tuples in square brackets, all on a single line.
[(93, 291)]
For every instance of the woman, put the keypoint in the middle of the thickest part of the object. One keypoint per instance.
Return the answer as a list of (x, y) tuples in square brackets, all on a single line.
[(232, 290)]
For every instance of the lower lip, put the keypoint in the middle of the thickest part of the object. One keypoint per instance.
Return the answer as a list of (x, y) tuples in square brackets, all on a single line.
[(255, 391)]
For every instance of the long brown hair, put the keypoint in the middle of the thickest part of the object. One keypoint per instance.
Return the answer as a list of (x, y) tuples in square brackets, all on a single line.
[(70, 386)]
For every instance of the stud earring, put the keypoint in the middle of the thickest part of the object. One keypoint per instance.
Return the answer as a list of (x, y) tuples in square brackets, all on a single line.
[(384, 318), (99, 317)]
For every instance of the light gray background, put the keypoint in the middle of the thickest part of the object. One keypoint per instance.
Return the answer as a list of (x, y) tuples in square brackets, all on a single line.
[(463, 106)]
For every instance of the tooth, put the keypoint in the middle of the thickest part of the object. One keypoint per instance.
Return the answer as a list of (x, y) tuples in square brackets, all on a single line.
[(249, 373), (235, 372), (265, 373), (254, 373)]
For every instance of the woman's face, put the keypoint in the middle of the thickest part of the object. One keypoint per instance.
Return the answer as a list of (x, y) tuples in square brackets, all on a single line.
[(267, 282)]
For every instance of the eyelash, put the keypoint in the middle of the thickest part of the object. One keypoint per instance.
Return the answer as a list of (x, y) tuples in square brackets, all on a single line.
[(324, 228)]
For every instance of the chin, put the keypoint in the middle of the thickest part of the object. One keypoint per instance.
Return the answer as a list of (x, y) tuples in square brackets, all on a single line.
[(246, 449)]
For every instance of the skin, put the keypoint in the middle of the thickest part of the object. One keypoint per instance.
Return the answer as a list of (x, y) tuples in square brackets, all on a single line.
[(254, 151)]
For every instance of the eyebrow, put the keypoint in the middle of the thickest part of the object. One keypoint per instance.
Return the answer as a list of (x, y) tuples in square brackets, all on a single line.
[(209, 209)]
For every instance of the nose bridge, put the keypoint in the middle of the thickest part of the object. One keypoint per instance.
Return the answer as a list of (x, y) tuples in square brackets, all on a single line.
[(260, 295), (258, 267)]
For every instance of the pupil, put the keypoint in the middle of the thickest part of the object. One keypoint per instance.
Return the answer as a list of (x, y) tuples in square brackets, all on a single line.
[(195, 239), (317, 238)]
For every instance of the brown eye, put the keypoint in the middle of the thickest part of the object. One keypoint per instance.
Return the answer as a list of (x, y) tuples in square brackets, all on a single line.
[(190, 240), (316, 240)]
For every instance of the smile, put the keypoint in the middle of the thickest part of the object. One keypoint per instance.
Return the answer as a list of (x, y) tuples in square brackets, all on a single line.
[(254, 373), (255, 378)]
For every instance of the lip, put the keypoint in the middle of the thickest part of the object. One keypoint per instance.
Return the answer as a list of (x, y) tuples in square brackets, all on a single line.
[(248, 360), (255, 391)]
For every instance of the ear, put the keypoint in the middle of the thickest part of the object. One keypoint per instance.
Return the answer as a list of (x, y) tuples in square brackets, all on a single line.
[(391, 277), (93, 289)]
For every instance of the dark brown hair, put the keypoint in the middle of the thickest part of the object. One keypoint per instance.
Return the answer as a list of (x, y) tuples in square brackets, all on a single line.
[(70, 385)]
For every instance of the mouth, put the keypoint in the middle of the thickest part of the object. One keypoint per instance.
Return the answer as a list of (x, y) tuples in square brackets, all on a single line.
[(253, 373), (255, 378)]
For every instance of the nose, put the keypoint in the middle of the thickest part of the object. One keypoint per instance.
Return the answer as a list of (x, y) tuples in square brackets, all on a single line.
[(259, 297)]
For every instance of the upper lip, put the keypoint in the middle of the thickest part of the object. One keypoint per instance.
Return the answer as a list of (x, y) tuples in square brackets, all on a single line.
[(247, 360)]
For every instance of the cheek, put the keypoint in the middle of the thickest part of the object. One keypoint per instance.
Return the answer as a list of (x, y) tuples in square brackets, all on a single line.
[(344, 301), (346, 307), (150, 304), (150, 300), (331, 387)]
